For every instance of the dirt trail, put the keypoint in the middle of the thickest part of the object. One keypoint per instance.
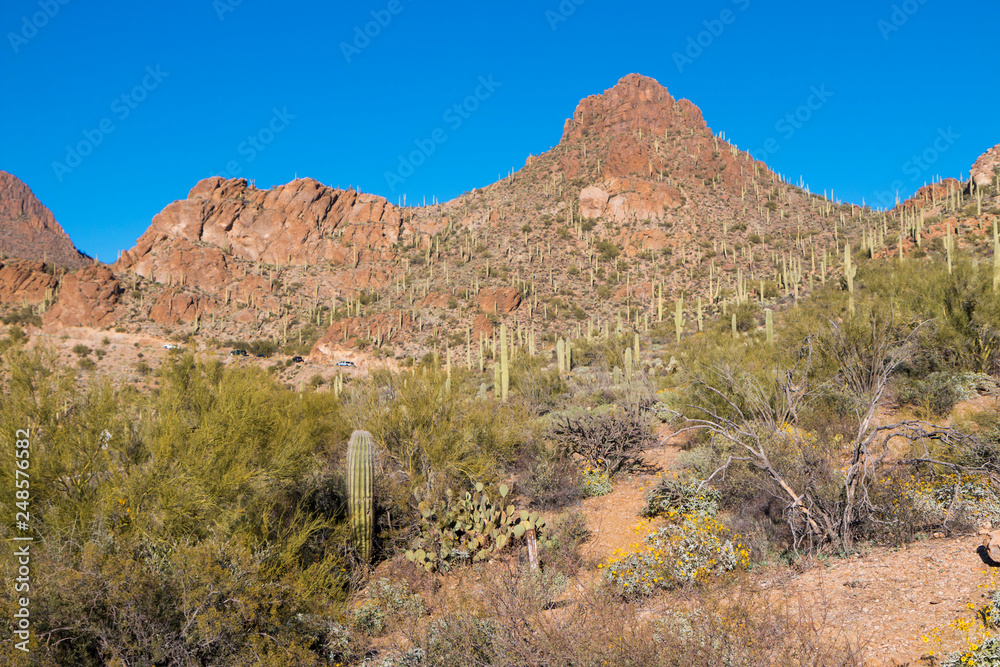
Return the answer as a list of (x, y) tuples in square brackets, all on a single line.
[(611, 518), (891, 598), (886, 598)]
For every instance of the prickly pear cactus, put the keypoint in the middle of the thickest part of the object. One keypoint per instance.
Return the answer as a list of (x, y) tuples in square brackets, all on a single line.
[(469, 527)]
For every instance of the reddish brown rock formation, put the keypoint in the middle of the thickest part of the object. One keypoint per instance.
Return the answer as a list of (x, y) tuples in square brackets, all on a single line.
[(644, 239), (299, 224), (481, 327), (87, 297), (437, 300), (635, 103), (502, 300), (628, 200), (25, 282), (175, 307), (29, 231), (931, 195), (986, 168)]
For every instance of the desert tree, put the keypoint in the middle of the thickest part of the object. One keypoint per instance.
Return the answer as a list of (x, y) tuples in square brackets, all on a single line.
[(757, 419)]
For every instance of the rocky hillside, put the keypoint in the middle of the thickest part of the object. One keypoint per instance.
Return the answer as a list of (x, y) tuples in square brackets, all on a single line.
[(29, 231), (639, 205)]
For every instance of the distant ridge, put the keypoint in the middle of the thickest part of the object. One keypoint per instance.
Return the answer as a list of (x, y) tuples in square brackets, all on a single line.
[(28, 229)]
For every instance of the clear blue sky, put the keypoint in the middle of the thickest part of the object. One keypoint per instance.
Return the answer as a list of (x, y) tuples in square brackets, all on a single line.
[(183, 84)]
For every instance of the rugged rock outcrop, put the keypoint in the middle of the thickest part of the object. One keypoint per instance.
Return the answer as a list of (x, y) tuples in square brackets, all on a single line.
[(930, 195), (29, 231), (986, 168), (87, 297), (25, 282), (174, 307), (302, 223), (481, 327), (635, 103), (628, 200), (502, 300)]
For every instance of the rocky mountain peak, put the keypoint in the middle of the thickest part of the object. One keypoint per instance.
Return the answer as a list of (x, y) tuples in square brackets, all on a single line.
[(635, 103), (28, 230)]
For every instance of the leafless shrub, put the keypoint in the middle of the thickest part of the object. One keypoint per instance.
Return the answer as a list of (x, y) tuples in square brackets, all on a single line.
[(611, 442)]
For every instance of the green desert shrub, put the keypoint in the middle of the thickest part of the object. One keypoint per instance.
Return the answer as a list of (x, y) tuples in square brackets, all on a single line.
[(180, 526), (25, 315), (595, 483), (548, 480), (440, 439), (669, 497)]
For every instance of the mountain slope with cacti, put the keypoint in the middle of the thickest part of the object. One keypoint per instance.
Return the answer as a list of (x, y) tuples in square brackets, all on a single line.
[(640, 218)]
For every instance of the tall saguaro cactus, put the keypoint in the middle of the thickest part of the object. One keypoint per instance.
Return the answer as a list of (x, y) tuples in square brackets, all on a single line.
[(504, 364), (360, 499), (996, 255), (679, 320), (849, 272)]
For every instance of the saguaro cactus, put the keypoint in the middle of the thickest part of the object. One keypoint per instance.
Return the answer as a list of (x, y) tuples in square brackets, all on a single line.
[(849, 272), (504, 364), (360, 499), (679, 320), (949, 246), (996, 256)]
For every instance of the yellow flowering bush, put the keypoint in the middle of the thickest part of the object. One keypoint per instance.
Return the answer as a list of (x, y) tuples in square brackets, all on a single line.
[(969, 494), (595, 482), (985, 653), (687, 552)]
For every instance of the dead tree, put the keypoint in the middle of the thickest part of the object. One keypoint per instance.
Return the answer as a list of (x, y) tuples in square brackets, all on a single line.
[(753, 415)]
